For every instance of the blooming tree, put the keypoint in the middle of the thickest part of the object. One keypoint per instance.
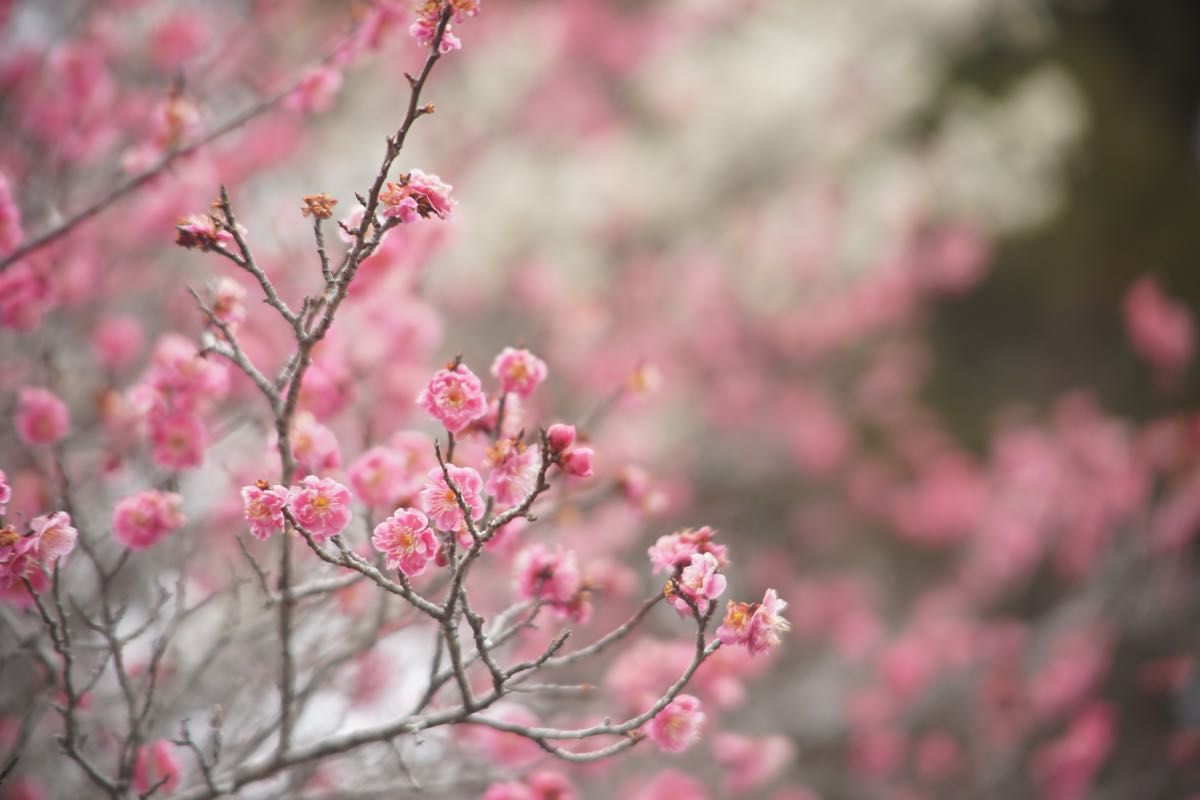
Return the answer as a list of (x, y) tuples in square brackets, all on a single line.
[(325, 478)]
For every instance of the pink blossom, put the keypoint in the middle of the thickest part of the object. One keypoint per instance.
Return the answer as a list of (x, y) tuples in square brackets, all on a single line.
[(757, 626), (41, 418), (203, 232), (179, 439), (514, 472), (263, 508), (519, 371), (767, 623), (18, 559), (700, 582), (321, 506), (407, 540), (677, 727), (1161, 330), (117, 341), (454, 397), (417, 196), (179, 371), (25, 296), (675, 550), (379, 477), (577, 461), (424, 30), (552, 576), (156, 763), (560, 436), (141, 520), (53, 536), (438, 501), (5, 493)]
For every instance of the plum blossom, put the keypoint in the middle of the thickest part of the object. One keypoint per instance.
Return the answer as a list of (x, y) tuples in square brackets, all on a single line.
[(520, 372), (454, 397), (262, 505), (677, 727), (203, 232), (18, 558), (417, 196), (117, 341), (700, 582), (755, 625), (53, 536), (314, 446), (675, 550), (41, 418), (156, 763), (315, 91), (575, 461), (514, 471), (438, 501), (407, 541), (141, 520), (321, 506)]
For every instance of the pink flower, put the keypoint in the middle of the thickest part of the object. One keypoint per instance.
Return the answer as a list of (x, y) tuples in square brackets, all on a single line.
[(203, 232), (5, 493), (53, 536), (454, 397), (156, 763), (407, 541), (757, 625), (514, 472), (314, 446), (676, 549), (424, 29), (179, 439), (18, 559), (578, 462), (552, 576), (11, 233), (767, 624), (438, 501), (1063, 768), (263, 508), (42, 418), (700, 581), (677, 727), (519, 371), (140, 520), (417, 196), (379, 477), (321, 506), (560, 436), (1161, 330)]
